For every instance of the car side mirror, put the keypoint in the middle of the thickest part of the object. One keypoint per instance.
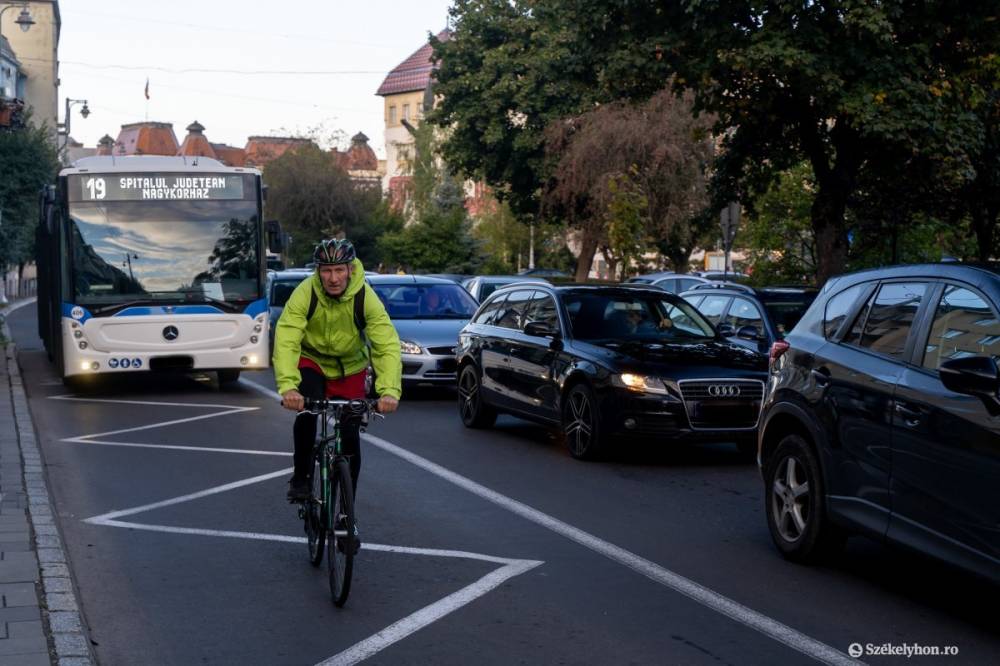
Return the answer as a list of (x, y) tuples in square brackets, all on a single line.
[(974, 375), (726, 330), (541, 329), (748, 332)]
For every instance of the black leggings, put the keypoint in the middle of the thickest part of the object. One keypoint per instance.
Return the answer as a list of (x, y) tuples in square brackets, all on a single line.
[(314, 386)]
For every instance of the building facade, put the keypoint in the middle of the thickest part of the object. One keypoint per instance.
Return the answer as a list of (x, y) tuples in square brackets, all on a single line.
[(37, 50), (407, 94)]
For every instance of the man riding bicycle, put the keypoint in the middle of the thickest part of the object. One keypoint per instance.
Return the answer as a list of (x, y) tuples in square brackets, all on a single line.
[(319, 352)]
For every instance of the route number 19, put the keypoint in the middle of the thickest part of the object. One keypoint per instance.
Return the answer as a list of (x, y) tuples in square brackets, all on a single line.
[(97, 188)]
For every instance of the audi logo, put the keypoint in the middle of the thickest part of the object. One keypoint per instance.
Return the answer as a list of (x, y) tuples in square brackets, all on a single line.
[(170, 333), (723, 390)]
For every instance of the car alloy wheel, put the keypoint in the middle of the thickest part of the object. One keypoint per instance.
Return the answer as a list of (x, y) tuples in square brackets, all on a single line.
[(791, 503), (581, 427), (474, 412), (795, 503)]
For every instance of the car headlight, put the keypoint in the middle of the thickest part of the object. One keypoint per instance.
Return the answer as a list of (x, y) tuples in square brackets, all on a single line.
[(639, 383), (408, 347)]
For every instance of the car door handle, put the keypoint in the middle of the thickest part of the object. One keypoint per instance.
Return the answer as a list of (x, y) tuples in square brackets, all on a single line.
[(911, 417), (821, 377)]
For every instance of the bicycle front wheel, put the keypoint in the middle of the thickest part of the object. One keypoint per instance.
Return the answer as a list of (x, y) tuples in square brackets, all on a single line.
[(314, 518), (342, 541)]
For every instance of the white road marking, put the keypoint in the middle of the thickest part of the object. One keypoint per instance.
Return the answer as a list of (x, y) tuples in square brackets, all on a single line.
[(699, 593), (428, 614), (187, 498), (362, 650), (178, 447)]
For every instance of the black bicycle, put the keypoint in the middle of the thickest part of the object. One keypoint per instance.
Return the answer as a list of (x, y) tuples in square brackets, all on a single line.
[(328, 514)]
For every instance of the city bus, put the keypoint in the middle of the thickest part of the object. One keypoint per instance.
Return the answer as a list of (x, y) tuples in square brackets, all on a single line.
[(152, 263)]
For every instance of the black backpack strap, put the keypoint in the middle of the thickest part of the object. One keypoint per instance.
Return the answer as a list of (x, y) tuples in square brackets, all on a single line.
[(313, 302), (359, 313)]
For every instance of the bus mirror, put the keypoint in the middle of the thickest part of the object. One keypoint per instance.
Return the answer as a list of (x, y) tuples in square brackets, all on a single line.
[(49, 193), (263, 192), (275, 239)]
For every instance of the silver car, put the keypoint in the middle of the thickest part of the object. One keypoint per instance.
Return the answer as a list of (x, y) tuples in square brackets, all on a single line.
[(428, 313)]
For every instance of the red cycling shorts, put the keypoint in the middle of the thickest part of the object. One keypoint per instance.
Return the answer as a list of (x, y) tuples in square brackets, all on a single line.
[(351, 387)]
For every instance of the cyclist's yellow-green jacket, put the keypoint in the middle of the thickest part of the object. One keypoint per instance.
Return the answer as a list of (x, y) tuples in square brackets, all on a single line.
[(331, 338)]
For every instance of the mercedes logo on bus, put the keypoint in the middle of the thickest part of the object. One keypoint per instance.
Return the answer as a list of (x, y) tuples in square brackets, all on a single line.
[(723, 391), (170, 333)]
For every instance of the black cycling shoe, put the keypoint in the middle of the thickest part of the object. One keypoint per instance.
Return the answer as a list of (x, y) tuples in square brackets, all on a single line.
[(298, 490)]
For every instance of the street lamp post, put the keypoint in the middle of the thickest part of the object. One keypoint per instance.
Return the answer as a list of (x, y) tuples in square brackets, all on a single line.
[(64, 126)]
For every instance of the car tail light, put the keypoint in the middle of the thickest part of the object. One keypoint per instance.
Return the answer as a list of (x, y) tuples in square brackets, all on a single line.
[(778, 347)]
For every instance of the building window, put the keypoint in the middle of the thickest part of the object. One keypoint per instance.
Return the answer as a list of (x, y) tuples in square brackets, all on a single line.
[(392, 115), (406, 112)]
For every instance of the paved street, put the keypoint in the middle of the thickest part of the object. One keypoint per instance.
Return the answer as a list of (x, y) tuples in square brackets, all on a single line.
[(494, 547)]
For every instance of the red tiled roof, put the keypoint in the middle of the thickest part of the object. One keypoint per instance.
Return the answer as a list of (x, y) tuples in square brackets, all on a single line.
[(359, 157), (195, 144), (414, 73), (147, 138), (230, 155), (262, 149)]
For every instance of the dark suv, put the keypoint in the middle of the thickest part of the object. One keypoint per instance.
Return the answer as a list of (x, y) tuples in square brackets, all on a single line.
[(883, 418), (754, 317), (606, 362)]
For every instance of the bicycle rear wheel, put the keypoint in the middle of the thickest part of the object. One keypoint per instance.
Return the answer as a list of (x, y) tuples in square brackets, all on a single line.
[(343, 532), (314, 518)]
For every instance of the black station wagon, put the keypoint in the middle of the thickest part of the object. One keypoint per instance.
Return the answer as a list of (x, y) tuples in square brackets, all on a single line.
[(883, 417), (599, 362)]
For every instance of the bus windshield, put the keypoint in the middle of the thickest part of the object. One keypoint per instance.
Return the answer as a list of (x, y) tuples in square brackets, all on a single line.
[(188, 251)]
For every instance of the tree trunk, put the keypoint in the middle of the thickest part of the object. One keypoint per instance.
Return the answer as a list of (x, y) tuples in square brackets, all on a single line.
[(588, 248), (985, 229), (830, 231)]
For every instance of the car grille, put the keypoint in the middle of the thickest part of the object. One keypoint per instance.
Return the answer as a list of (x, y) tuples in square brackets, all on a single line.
[(411, 368), (722, 404), (441, 351)]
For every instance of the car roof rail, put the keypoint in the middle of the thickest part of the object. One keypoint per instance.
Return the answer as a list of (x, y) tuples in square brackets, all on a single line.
[(716, 284)]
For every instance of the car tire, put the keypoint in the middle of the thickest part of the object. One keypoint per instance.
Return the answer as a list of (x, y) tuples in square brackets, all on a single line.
[(795, 503), (581, 423), (474, 411)]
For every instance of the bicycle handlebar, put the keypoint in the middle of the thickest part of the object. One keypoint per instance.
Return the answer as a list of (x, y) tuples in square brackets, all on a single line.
[(364, 406)]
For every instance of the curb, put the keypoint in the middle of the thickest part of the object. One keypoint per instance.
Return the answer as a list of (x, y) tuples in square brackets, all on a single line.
[(60, 606)]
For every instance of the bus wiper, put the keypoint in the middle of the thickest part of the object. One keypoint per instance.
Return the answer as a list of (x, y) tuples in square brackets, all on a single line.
[(117, 307), (225, 305)]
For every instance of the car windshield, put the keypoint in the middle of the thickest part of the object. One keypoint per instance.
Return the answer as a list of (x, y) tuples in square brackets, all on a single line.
[(426, 301), (786, 312), (597, 316), (282, 289)]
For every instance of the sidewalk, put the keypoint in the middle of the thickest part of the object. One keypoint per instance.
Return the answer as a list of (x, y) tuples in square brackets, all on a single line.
[(39, 615)]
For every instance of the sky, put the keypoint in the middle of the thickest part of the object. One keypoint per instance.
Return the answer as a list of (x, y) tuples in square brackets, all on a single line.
[(109, 48)]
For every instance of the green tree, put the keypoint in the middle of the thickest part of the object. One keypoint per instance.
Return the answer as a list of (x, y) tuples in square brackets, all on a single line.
[(439, 236), (508, 70), (28, 161), (833, 81), (627, 224), (312, 197)]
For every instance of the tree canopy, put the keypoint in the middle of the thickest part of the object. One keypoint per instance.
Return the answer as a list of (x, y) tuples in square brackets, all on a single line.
[(28, 161)]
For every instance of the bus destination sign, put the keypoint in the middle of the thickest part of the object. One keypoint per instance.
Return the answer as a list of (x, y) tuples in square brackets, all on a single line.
[(158, 187)]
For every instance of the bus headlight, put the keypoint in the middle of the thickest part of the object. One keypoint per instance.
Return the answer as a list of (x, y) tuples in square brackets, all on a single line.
[(78, 334), (85, 365), (83, 344), (254, 339), (253, 359)]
